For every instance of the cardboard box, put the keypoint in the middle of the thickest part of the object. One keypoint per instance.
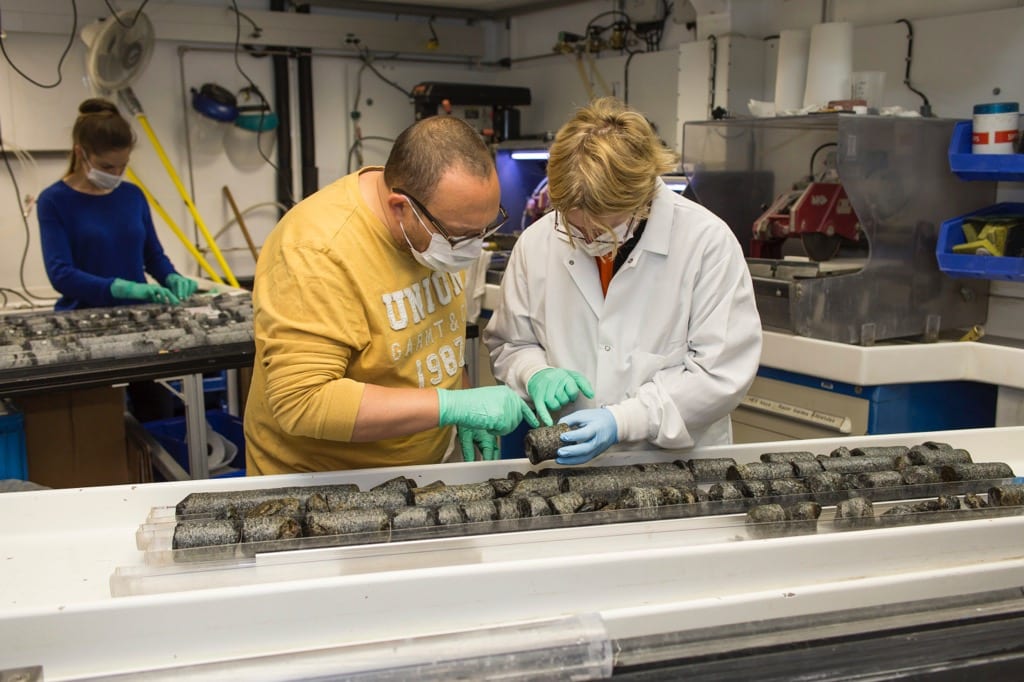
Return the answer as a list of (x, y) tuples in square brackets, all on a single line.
[(77, 438)]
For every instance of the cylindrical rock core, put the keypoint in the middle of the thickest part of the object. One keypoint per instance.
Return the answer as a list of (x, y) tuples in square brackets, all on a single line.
[(542, 444)]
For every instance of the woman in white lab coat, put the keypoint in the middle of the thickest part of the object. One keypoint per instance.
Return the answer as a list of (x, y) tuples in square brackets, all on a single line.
[(628, 303)]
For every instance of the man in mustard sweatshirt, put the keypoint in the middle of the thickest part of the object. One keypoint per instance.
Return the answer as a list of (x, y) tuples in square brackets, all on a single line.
[(360, 315)]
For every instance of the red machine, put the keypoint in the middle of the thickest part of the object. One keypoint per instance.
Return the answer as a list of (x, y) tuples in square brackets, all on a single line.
[(820, 214)]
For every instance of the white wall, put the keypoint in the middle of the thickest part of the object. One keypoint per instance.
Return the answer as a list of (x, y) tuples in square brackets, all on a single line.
[(39, 120), (963, 50)]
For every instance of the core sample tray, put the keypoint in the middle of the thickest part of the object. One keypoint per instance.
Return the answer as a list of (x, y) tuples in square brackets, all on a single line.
[(40, 350), (91, 583)]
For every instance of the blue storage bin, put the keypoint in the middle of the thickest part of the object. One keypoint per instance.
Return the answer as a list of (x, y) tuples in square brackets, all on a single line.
[(977, 267), (170, 433), (969, 166), (13, 460)]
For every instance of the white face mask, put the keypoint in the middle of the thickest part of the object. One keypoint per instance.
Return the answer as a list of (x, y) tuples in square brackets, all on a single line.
[(442, 256), (601, 246), (105, 181)]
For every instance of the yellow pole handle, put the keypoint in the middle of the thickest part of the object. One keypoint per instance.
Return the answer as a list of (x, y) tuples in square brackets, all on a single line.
[(188, 202), (174, 227)]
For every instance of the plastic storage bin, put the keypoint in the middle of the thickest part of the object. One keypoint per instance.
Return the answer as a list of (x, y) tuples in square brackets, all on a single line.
[(13, 459), (977, 267), (170, 433), (969, 166)]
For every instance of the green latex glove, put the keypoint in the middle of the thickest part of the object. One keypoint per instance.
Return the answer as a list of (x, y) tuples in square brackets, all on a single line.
[(553, 388), (122, 288), (495, 409), (488, 444), (182, 287)]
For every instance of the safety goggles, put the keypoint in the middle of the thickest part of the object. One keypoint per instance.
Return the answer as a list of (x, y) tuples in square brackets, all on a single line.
[(578, 233)]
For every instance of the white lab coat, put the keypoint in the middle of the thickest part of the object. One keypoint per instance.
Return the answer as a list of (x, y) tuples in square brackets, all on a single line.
[(672, 349)]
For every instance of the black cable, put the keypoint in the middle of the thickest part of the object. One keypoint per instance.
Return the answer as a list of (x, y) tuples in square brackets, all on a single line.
[(24, 221), (625, 76), (60, 62), (629, 20), (434, 41), (661, 25), (354, 116), (926, 108), (714, 67), (113, 13), (253, 88), (257, 32), (366, 56)]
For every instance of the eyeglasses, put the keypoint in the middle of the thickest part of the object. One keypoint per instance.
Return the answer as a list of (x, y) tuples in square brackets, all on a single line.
[(580, 234), (419, 208)]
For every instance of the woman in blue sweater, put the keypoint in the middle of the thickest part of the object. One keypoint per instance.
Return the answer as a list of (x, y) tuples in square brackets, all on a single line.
[(97, 233)]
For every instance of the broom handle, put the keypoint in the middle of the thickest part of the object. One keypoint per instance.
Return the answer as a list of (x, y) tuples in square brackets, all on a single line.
[(241, 223)]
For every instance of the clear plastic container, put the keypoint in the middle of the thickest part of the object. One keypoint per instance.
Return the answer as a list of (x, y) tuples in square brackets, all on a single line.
[(575, 647)]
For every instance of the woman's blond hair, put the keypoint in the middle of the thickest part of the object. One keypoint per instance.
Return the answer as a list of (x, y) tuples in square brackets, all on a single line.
[(606, 161)]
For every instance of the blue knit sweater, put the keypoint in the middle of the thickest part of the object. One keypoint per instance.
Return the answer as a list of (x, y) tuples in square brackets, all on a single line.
[(89, 240)]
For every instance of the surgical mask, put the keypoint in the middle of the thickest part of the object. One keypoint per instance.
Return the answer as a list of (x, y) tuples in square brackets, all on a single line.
[(106, 181), (442, 256)]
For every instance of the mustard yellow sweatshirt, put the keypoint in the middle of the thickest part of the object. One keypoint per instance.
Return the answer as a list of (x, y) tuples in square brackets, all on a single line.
[(337, 304)]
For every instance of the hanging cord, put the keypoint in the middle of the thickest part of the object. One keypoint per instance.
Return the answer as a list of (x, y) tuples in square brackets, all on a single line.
[(113, 13), (63, 55), (257, 31), (652, 43), (358, 144), (712, 84), (28, 230), (926, 107), (433, 42), (625, 75), (366, 57), (253, 89), (357, 130)]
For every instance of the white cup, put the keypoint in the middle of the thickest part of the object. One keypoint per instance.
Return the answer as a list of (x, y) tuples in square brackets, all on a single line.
[(868, 86)]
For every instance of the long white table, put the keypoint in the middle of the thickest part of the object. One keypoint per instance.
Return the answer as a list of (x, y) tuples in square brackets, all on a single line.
[(64, 550)]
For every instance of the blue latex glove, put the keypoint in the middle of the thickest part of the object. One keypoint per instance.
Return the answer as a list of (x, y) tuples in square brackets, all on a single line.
[(122, 288), (595, 432), (182, 287), (488, 444), (495, 409), (553, 388)]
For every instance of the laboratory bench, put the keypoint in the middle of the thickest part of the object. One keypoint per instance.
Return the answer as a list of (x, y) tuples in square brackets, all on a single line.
[(78, 355), (84, 595)]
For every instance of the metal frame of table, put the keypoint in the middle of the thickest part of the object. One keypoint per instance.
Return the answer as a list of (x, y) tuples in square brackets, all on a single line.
[(186, 365)]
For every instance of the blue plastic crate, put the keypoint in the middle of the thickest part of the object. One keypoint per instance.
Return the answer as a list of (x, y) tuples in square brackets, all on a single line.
[(13, 459), (972, 266), (969, 166), (170, 433)]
